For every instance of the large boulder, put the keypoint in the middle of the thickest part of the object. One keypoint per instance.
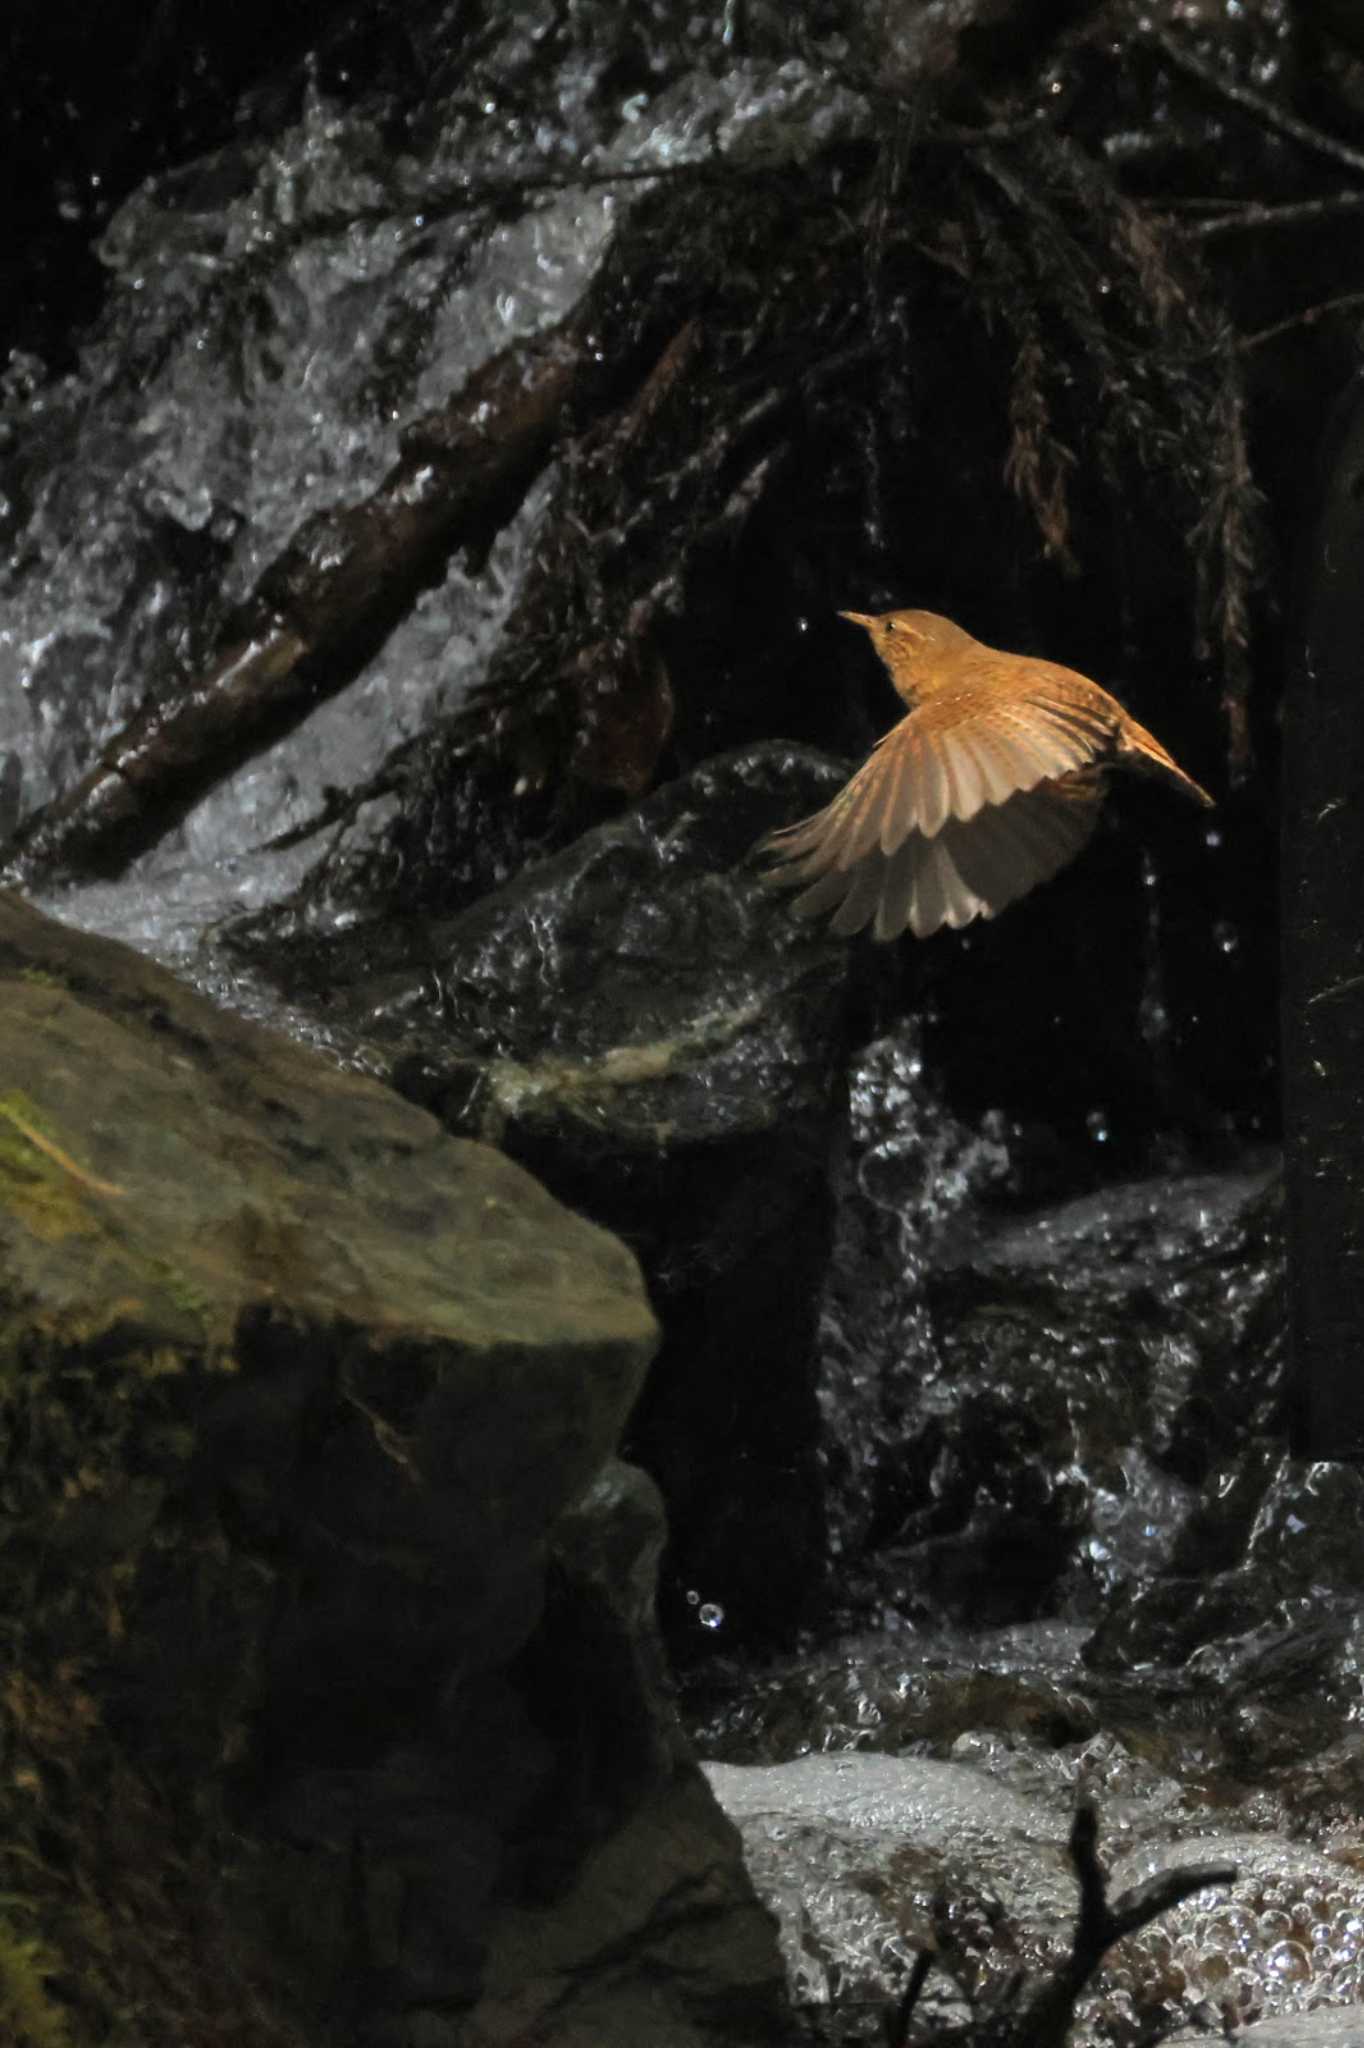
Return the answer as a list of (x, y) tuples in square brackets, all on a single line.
[(328, 1660)]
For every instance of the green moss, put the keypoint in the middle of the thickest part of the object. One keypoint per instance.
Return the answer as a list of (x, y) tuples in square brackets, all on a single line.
[(34, 1189), (184, 1293), (40, 1182), (29, 2016), (17, 1105)]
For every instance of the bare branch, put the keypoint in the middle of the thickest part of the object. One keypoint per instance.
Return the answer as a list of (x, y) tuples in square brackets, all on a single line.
[(1266, 111), (1038, 2012), (1254, 215), (1308, 316), (320, 610)]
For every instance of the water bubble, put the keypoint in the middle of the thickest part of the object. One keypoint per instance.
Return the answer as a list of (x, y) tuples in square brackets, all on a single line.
[(1096, 1123), (1289, 1963), (1226, 936), (710, 1615)]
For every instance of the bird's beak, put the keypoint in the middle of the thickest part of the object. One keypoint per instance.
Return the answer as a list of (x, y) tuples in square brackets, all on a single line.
[(859, 619)]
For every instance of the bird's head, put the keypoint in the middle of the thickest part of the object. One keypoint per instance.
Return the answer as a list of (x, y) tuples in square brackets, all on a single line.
[(911, 642)]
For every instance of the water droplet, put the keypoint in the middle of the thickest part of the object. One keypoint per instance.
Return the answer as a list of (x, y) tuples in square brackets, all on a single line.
[(1288, 1961)]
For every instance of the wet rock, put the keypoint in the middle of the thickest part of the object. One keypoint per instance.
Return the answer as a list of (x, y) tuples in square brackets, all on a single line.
[(867, 1859), (314, 1564), (1038, 1399), (852, 1853), (641, 1022), (1323, 1008), (1273, 1636), (592, 1938), (895, 1691), (1283, 1937), (1329, 2027)]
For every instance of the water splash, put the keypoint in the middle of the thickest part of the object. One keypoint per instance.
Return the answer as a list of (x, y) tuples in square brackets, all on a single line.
[(276, 313), (909, 1172)]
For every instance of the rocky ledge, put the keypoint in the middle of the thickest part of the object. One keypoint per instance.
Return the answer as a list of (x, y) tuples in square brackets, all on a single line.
[(331, 1704)]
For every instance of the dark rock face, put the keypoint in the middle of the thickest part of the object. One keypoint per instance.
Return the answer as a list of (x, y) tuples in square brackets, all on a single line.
[(1025, 1408), (1324, 963), (640, 1022), (1101, 1356), (314, 1565)]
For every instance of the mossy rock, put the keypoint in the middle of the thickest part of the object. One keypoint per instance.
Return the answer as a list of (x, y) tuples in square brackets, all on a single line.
[(295, 1388)]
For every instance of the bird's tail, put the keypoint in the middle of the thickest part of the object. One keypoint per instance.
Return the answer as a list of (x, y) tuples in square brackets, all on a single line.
[(1142, 751)]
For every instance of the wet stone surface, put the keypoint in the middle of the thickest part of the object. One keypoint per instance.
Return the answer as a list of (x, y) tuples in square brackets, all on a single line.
[(868, 1859), (313, 1537), (640, 1022)]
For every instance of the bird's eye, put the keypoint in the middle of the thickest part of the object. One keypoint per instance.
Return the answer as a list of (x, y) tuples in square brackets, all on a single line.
[(890, 625)]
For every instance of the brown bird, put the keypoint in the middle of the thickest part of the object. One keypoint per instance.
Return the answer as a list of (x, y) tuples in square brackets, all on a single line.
[(990, 785)]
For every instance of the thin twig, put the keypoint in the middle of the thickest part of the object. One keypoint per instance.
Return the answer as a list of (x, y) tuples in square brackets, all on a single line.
[(1256, 104), (1098, 1924), (897, 2024), (1254, 213), (1308, 317)]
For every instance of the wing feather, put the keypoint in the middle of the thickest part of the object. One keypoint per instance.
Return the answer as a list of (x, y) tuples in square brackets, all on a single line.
[(1010, 849), (978, 795), (859, 905), (928, 905), (893, 793), (897, 889)]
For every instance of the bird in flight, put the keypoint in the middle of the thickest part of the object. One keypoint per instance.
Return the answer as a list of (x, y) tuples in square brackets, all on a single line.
[(991, 784)]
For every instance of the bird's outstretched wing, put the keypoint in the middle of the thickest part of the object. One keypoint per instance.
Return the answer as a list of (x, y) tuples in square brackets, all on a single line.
[(981, 793), (967, 869), (962, 750)]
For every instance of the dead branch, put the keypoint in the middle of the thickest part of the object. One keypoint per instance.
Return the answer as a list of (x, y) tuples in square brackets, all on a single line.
[(1264, 111), (320, 610), (1038, 2012), (1253, 215), (1308, 316)]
